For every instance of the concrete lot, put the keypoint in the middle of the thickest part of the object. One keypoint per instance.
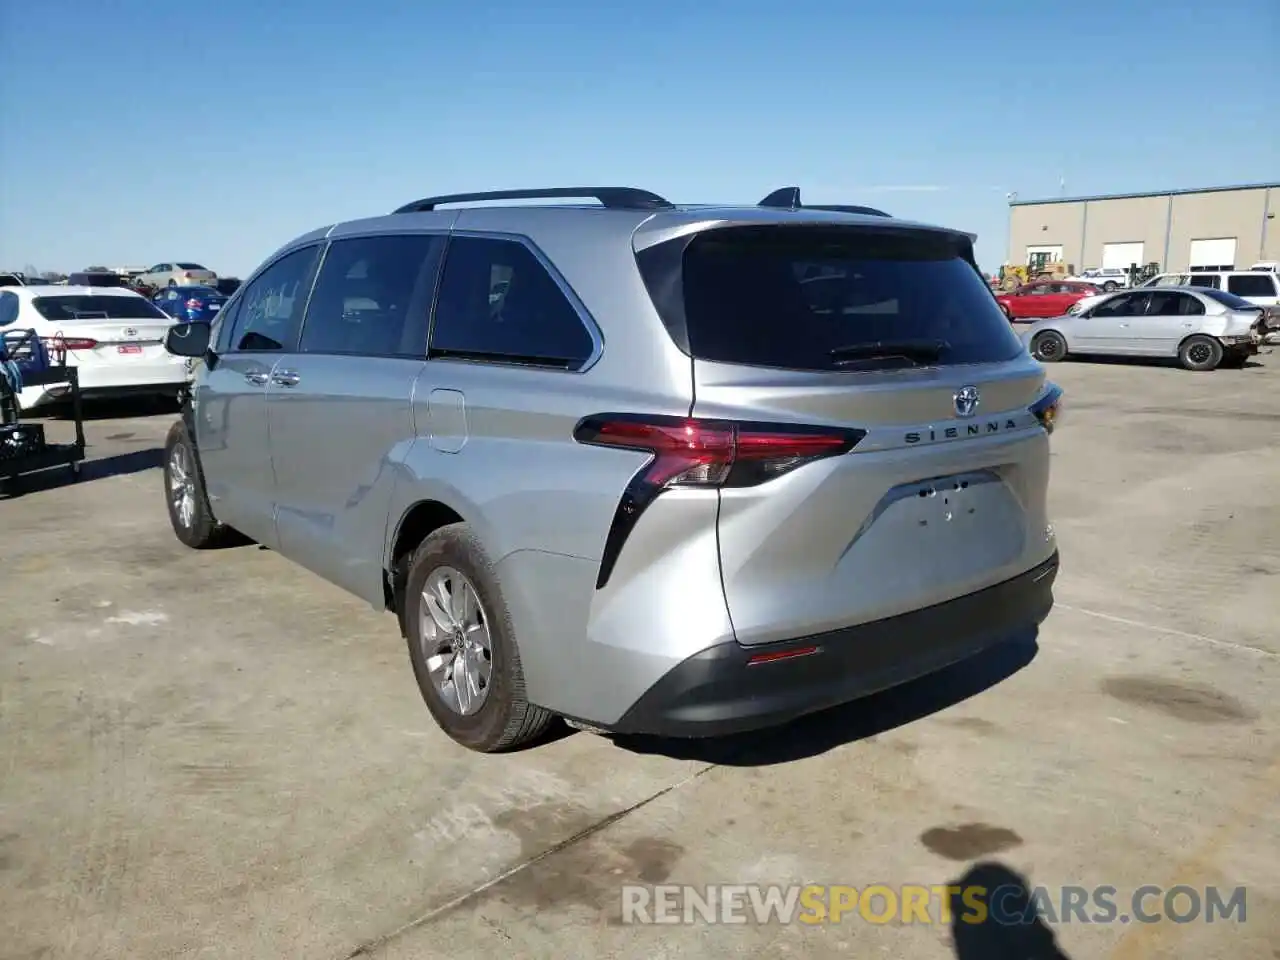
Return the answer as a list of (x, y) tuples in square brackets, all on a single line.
[(217, 755)]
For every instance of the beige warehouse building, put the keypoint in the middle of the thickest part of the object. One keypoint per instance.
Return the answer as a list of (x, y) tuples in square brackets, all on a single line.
[(1219, 228)]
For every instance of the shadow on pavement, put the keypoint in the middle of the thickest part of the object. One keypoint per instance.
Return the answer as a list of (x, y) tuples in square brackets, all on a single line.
[(1007, 927), (135, 461), (114, 408), (817, 733)]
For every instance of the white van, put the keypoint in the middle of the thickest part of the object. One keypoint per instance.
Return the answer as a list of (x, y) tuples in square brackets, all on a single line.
[(1259, 287)]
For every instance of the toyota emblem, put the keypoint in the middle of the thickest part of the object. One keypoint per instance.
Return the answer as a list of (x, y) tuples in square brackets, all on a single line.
[(967, 399), (130, 331)]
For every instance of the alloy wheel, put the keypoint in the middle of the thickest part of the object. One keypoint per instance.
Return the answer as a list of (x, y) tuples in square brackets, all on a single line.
[(453, 631)]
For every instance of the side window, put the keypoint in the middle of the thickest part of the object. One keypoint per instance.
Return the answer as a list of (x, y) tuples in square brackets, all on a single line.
[(8, 308), (1205, 280), (270, 309), (373, 296), (1038, 289), (1125, 305), (223, 324), (1252, 285), (1174, 305), (497, 302)]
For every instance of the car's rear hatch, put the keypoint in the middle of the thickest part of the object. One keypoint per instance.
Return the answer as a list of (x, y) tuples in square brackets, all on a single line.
[(889, 331)]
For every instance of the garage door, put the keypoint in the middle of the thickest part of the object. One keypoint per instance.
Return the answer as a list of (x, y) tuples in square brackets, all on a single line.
[(1216, 254), (1120, 255)]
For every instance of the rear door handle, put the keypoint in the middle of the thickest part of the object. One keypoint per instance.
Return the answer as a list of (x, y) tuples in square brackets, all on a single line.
[(256, 377), (285, 378)]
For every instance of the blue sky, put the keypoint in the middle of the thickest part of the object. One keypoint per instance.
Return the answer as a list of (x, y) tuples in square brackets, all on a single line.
[(137, 132)]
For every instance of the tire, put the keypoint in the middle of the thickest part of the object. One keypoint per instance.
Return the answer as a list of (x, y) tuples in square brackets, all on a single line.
[(1200, 353), (1049, 347), (492, 714), (189, 512), (1110, 287)]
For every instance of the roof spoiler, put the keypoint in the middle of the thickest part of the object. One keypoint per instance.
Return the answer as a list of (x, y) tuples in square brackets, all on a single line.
[(614, 198), (788, 198)]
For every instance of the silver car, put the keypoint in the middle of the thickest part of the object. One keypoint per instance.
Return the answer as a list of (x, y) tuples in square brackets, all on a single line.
[(1202, 328), (647, 468)]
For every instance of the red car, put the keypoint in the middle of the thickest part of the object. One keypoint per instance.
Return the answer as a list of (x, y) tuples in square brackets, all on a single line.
[(1044, 298)]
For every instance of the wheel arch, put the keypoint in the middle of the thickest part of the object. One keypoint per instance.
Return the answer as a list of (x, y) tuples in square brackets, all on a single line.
[(417, 521)]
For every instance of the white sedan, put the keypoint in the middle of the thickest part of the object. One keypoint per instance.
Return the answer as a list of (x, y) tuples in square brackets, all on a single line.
[(1202, 328), (115, 337)]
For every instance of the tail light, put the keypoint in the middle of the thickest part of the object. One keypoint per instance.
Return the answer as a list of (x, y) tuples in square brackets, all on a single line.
[(194, 304), (706, 454), (69, 343), (1048, 409)]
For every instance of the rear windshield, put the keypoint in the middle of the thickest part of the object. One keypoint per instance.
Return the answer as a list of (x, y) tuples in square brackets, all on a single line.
[(190, 266), (69, 308), (803, 297), (1228, 300)]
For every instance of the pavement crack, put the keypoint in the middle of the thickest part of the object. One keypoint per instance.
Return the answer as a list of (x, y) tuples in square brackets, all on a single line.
[(1200, 637), (368, 948)]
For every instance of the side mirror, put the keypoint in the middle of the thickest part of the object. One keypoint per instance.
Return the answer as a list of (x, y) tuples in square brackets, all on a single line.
[(188, 339)]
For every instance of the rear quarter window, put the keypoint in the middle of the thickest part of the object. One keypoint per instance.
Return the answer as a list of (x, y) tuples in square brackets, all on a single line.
[(794, 297), (1252, 285)]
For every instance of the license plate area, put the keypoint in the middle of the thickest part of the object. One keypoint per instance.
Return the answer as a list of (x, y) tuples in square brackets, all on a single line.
[(949, 530), (129, 348)]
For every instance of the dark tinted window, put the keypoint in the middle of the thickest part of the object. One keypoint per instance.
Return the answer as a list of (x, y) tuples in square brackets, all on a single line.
[(8, 308), (191, 266), (89, 307), (9, 280), (1124, 305), (270, 310), (1174, 305), (372, 296), (1230, 300), (1205, 280), (1251, 285), (498, 302), (96, 280), (797, 297)]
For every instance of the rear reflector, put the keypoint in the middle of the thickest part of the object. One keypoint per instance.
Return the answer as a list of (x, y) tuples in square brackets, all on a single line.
[(708, 454), (775, 655)]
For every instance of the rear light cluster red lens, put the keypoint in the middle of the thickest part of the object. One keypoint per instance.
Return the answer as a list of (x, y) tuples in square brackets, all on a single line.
[(689, 452), (68, 343)]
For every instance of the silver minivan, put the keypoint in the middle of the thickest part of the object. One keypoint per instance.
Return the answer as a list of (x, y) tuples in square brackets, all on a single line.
[(677, 470)]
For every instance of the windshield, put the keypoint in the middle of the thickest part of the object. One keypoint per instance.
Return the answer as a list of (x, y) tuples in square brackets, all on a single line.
[(1228, 300), (810, 298), (190, 266), (205, 292), (68, 308)]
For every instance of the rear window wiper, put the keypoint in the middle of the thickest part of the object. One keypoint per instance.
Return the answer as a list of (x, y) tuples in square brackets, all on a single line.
[(917, 351)]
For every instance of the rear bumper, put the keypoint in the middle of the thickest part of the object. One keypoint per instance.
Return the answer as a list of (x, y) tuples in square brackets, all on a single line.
[(719, 691), (163, 378)]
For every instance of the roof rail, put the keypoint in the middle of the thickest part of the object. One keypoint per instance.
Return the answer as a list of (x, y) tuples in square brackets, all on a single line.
[(614, 198), (788, 198)]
